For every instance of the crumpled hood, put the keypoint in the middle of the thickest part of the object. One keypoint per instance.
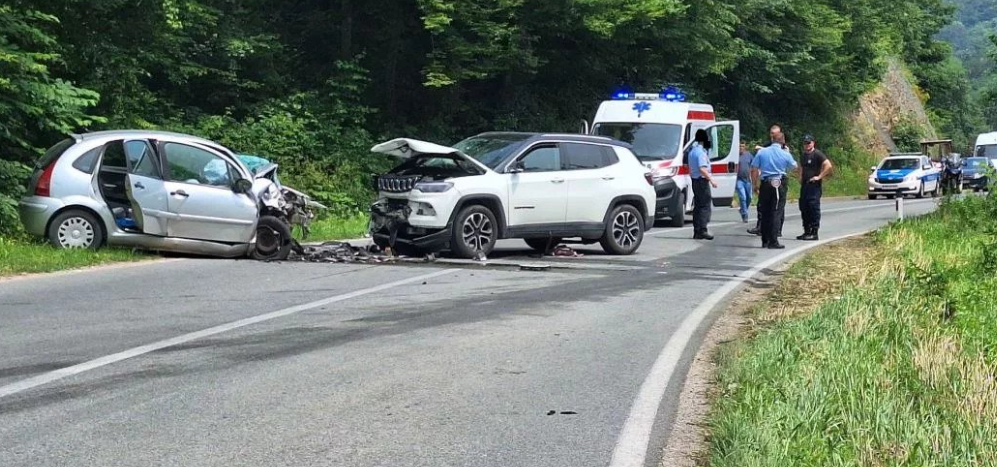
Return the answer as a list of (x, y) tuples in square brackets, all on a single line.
[(405, 148)]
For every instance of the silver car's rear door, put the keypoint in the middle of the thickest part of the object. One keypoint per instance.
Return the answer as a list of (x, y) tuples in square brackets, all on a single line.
[(145, 186), (199, 184)]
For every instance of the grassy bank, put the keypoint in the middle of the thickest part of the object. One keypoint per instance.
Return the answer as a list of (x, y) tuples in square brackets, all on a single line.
[(337, 228), (23, 257), (883, 353)]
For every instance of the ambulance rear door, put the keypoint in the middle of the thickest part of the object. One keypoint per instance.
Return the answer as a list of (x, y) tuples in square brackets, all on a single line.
[(723, 156)]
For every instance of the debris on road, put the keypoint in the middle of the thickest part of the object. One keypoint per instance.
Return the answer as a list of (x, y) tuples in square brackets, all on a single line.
[(343, 252), (565, 252)]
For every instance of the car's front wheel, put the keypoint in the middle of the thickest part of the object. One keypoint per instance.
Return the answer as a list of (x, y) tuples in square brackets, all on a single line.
[(76, 229), (475, 231), (273, 239), (624, 231)]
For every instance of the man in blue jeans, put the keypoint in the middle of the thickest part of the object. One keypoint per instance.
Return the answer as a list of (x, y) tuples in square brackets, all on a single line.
[(744, 188)]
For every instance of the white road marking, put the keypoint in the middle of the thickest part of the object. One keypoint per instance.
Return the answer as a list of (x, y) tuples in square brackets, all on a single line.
[(631, 446), (51, 376), (795, 214)]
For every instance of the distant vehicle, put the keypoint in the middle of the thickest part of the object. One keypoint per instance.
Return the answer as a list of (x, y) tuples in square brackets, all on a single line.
[(904, 174), (538, 187), (661, 127), (161, 191), (986, 146), (974, 173)]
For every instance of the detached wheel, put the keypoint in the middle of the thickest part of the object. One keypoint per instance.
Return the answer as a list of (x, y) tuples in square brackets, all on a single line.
[(273, 239), (76, 229), (474, 231), (624, 231), (543, 245), (679, 219)]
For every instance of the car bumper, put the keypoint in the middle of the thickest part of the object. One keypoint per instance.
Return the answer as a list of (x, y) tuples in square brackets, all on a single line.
[(36, 212), (416, 237), (876, 188), (975, 182), (666, 199)]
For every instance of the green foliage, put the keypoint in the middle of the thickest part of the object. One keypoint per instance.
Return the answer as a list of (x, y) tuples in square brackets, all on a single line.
[(20, 257), (907, 134)]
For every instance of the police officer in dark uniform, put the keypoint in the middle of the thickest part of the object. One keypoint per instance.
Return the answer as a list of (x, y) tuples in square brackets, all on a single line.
[(816, 167), (770, 166)]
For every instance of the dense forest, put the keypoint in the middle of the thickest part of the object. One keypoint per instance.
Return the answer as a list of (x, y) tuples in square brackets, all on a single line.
[(313, 83)]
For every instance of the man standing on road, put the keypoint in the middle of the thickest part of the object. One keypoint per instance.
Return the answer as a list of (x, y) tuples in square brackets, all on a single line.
[(770, 167), (816, 167), (702, 180), (775, 132), (744, 189)]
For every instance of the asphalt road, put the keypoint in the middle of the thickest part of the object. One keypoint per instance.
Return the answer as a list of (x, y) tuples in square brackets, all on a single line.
[(222, 363)]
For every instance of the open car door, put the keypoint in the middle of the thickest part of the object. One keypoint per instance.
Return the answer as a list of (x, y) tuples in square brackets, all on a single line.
[(723, 158)]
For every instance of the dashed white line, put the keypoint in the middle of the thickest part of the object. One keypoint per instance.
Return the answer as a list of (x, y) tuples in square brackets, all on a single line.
[(51, 376)]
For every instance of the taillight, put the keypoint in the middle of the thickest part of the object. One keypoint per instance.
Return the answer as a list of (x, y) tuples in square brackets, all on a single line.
[(44, 186), (649, 177)]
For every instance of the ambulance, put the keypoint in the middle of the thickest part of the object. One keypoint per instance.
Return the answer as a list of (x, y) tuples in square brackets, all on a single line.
[(661, 128)]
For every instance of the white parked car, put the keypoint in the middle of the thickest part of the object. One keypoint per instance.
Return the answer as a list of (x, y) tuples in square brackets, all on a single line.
[(538, 187), (905, 174)]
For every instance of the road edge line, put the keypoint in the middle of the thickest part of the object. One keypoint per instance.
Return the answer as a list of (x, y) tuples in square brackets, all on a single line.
[(635, 437)]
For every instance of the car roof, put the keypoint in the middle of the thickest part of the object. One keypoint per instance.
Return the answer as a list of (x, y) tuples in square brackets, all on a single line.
[(532, 137), (149, 134)]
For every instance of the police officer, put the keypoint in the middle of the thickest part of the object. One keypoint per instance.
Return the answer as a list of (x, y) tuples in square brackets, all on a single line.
[(815, 168), (702, 180), (771, 164), (775, 132)]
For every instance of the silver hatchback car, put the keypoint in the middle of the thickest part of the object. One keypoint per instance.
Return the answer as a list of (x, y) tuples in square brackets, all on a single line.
[(161, 191)]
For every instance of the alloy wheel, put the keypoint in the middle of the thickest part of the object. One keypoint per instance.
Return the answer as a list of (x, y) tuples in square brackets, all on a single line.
[(477, 231), (76, 232), (626, 229)]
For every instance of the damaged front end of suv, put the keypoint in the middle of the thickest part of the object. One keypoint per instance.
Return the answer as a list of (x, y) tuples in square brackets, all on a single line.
[(416, 199)]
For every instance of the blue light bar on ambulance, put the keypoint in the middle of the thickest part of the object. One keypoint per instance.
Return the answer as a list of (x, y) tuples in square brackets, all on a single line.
[(672, 94)]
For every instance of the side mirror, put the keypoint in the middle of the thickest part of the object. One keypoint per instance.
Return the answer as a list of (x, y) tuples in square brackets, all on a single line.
[(242, 186), (517, 167), (873, 168)]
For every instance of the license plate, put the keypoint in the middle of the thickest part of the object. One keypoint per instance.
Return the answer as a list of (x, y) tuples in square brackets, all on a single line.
[(890, 186)]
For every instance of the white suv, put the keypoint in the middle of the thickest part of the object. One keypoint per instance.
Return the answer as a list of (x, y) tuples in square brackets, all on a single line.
[(538, 187)]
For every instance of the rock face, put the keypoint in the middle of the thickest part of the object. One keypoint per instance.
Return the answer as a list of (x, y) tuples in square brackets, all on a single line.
[(897, 98)]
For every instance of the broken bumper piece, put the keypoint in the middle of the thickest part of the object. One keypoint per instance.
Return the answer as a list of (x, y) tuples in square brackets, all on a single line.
[(412, 237), (389, 226)]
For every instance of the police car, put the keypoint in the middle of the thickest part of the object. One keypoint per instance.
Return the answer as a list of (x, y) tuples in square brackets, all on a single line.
[(905, 174), (660, 128)]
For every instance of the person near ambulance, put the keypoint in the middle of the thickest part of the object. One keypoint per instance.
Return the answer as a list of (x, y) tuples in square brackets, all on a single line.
[(702, 179), (815, 168), (770, 168), (743, 187), (775, 132)]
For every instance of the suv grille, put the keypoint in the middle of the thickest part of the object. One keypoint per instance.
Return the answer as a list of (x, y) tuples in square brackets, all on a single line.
[(395, 184)]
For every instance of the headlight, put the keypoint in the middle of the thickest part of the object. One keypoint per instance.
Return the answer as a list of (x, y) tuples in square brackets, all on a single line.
[(433, 187), (910, 178), (977, 175)]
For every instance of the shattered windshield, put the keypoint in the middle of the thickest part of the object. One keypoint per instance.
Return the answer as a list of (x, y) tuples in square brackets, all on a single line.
[(491, 150), (650, 141), (900, 164)]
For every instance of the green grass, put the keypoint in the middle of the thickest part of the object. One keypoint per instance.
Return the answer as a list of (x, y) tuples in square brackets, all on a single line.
[(899, 370), (337, 228), (23, 257)]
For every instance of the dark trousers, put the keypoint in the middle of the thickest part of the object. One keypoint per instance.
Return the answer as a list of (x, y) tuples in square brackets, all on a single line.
[(810, 194), (770, 215), (702, 204), (780, 215)]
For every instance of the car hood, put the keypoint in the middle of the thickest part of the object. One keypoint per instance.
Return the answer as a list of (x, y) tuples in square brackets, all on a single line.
[(405, 148), (894, 173)]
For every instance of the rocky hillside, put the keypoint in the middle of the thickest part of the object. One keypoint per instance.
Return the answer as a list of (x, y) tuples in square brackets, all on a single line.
[(894, 103)]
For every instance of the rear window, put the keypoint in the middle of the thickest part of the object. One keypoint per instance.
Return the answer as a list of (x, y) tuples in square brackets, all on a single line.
[(54, 153), (586, 156), (87, 161)]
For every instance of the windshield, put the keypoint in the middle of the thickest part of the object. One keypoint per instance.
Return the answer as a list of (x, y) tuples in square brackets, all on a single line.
[(900, 164), (491, 150), (650, 141), (976, 162), (988, 150)]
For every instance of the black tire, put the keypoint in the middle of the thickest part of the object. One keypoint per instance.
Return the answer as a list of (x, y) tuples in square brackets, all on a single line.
[(76, 229), (273, 239), (920, 193), (624, 231), (543, 245), (679, 220), (873, 196), (475, 231)]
